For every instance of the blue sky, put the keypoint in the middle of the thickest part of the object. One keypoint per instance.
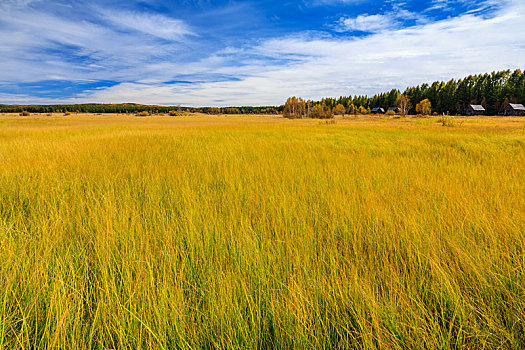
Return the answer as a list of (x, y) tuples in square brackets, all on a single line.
[(204, 52)]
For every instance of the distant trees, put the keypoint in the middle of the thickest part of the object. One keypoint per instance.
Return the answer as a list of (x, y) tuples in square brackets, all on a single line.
[(403, 102), (340, 110), (132, 108), (294, 108), (494, 91), (214, 110), (490, 90), (424, 107), (320, 112), (362, 110), (231, 110)]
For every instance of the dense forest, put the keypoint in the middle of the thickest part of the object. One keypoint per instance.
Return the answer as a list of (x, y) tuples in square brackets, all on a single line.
[(493, 91)]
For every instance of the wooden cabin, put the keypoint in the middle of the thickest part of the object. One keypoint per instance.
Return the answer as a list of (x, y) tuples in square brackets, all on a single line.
[(475, 110), (515, 110), (378, 110)]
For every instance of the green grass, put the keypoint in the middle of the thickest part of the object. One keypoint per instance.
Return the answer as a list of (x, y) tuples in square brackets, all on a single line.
[(214, 232)]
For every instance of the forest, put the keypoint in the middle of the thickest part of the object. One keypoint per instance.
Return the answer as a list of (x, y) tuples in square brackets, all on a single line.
[(493, 91)]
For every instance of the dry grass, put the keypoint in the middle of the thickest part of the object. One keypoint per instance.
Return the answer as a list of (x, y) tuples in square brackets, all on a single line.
[(228, 232)]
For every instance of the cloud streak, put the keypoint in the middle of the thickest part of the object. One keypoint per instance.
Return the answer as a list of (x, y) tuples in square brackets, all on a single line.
[(152, 24), (38, 46)]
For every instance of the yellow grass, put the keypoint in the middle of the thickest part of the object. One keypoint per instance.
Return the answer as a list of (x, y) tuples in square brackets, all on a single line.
[(246, 232)]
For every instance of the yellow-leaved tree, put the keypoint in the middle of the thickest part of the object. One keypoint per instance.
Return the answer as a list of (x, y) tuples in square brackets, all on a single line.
[(294, 108), (424, 107), (340, 110), (403, 102)]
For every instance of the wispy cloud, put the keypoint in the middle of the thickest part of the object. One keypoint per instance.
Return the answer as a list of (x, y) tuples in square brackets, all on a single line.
[(367, 23), (37, 45), (473, 6), (398, 16), (152, 24)]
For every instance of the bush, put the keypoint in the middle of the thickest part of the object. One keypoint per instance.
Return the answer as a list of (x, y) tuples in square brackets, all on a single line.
[(67, 113), (447, 121), (143, 114), (390, 113), (25, 114), (174, 113)]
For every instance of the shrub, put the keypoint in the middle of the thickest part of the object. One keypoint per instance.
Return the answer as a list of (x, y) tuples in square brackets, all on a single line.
[(447, 121), (142, 114), (25, 114), (174, 113), (390, 113), (66, 113)]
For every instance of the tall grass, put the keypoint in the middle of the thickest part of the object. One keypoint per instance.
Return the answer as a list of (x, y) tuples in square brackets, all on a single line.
[(257, 233)]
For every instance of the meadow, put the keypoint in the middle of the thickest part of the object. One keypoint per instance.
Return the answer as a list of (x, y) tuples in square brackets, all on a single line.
[(261, 232)]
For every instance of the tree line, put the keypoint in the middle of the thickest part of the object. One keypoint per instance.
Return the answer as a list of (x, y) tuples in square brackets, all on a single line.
[(493, 91), (132, 108)]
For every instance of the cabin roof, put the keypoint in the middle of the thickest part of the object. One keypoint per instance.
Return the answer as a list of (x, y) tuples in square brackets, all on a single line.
[(517, 106), (477, 108)]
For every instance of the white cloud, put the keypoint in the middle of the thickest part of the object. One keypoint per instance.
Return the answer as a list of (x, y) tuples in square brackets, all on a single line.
[(390, 20), (152, 24), (367, 23), (39, 46)]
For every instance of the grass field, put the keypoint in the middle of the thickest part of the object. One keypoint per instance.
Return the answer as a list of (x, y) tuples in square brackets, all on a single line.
[(260, 232)]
